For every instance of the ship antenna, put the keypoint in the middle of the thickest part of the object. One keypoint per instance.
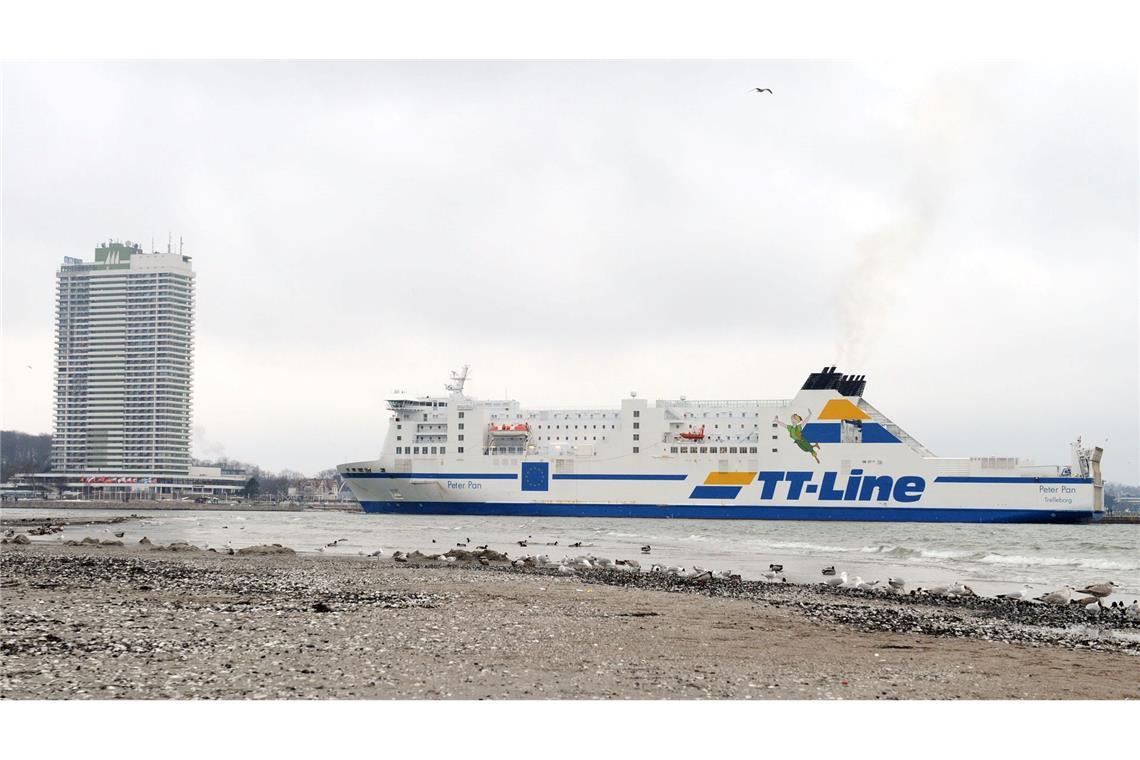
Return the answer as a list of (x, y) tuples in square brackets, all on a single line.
[(457, 381)]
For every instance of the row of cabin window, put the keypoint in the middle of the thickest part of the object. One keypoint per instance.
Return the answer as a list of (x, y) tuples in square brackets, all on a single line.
[(713, 449), (416, 450)]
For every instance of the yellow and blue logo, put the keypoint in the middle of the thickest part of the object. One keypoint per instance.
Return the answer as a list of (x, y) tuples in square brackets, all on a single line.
[(722, 485)]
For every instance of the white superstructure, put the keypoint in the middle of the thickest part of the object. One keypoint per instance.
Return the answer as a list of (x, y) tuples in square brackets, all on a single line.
[(826, 453)]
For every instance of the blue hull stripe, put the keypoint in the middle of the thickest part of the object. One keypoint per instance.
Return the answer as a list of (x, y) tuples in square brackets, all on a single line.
[(435, 475), (608, 476), (964, 479), (715, 492), (733, 512)]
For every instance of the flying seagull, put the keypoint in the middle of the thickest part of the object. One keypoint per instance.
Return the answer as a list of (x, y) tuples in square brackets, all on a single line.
[(761, 89)]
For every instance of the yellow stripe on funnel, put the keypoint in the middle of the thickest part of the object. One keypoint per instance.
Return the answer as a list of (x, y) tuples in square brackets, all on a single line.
[(729, 478), (842, 409)]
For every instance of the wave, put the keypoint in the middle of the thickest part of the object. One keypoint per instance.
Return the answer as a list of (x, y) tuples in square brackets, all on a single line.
[(806, 547), (1083, 562)]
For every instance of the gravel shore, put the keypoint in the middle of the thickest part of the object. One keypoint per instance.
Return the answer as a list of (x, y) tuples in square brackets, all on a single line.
[(131, 622)]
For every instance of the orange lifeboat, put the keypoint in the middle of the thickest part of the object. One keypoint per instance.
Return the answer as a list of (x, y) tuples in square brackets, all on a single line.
[(694, 435)]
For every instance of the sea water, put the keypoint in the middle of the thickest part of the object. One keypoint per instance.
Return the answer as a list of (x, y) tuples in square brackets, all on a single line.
[(991, 559)]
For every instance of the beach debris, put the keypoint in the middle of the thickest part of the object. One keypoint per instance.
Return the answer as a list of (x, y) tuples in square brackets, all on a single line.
[(1061, 596), (322, 607), (266, 549), (646, 549), (144, 541), (399, 556), (377, 553), (522, 543), (776, 568), (178, 546), (110, 542), (565, 570), (120, 533), (576, 545), (830, 570), (21, 539)]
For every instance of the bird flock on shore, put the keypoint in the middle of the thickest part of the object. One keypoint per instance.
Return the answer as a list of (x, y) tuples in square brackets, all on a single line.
[(569, 565)]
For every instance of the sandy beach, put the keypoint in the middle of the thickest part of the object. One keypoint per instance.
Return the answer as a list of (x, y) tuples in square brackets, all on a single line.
[(135, 622)]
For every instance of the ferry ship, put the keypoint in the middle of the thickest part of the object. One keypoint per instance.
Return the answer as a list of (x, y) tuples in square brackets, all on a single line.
[(825, 454)]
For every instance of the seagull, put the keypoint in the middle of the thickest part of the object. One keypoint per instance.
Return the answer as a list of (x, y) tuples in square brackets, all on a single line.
[(837, 581), (1099, 591), (776, 568), (863, 585), (1133, 612), (1017, 596), (761, 89), (565, 570), (939, 590), (829, 570), (645, 549), (1060, 596), (771, 575), (898, 584)]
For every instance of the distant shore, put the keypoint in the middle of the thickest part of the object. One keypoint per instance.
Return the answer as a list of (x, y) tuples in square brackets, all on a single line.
[(171, 504), (135, 622)]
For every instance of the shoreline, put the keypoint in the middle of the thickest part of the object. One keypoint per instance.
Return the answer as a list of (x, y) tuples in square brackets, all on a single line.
[(132, 622), (178, 505)]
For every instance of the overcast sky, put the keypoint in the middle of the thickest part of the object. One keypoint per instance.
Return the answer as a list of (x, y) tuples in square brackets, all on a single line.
[(966, 236)]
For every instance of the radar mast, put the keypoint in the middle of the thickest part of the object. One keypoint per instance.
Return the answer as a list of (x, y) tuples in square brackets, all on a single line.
[(457, 381)]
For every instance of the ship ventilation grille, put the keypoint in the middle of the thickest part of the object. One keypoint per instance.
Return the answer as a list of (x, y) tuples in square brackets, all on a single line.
[(996, 463)]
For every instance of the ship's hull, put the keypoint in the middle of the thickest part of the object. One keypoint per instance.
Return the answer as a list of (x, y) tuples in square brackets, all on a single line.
[(734, 512)]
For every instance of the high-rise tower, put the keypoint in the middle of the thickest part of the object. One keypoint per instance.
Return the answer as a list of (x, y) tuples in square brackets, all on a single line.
[(124, 365)]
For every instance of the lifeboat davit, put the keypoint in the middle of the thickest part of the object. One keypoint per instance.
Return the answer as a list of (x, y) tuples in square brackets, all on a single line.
[(694, 435)]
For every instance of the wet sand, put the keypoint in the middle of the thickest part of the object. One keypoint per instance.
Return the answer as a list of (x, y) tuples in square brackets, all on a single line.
[(132, 622)]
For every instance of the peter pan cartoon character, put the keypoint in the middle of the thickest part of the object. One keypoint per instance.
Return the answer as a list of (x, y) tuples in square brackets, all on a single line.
[(796, 431)]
